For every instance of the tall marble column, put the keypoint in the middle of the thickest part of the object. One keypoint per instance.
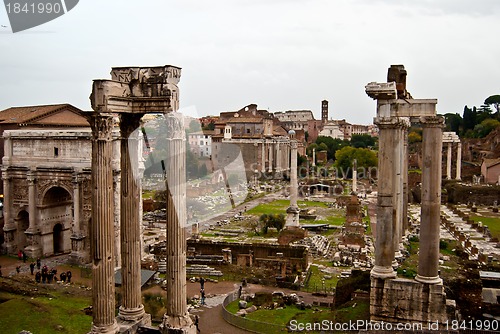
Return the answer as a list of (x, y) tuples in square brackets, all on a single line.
[(32, 233), (130, 229), (176, 319), (354, 175), (384, 242), (102, 227), (9, 227), (314, 158), (263, 157), (77, 236), (292, 219), (398, 188), (428, 259), (405, 178), (271, 148), (448, 161), (459, 161)]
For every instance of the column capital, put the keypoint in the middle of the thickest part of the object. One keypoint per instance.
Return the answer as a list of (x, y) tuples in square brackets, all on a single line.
[(175, 126), (392, 122), (432, 121), (31, 177), (101, 125)]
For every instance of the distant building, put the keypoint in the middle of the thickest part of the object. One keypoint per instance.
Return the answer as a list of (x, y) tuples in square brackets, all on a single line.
[(260, 137), (490, 170), (333, 130), (200, 143)]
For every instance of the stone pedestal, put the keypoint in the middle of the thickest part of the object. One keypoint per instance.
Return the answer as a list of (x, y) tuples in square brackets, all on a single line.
[(405, 301)]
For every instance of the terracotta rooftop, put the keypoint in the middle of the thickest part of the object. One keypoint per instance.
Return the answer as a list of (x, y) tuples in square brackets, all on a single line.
[(44, 115)]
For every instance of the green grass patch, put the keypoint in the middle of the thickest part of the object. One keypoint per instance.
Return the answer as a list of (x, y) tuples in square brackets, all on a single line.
[(493, 224), (317, 281), (330, 220), (353, 311), (45, 315), (280, 206)]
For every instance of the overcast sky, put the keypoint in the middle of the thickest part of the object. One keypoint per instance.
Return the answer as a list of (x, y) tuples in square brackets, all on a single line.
[(279, 54)]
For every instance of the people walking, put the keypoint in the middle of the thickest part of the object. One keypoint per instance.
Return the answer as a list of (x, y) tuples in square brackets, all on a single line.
[(32, 267), (68, 276), (202, 296)]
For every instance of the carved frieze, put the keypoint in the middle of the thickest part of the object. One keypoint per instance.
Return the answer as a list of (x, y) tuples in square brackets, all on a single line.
[(20, 190)]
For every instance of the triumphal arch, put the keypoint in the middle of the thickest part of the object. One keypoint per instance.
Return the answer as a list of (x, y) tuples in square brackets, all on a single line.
[(394, 299)]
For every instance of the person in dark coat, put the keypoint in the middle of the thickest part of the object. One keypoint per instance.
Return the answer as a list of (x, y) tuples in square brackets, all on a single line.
[(38, 263), (202, 283), (38, 277), (63, 277), (68, 276), (32, 267)]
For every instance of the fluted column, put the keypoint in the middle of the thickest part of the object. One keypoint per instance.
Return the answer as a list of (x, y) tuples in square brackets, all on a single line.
[(398, 188), (384, 242), (30, 176), (176, 318), (448, 162), (130, 230), (9, 227), (292, 219), (76, 205), (428, 259), (405, 179), (459, 161), (270, 148), (102, 228), (263, 157)]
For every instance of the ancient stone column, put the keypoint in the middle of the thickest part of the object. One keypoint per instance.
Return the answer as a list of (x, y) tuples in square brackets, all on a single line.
[(405, 178), (314, 157), (130, 229), (76, 204), (448, 161), (176, 319), (30, 176), (354, 176), (431, 200), (271, 148), (102, 228), (292, 219), (384, 242), (32, 233), (9, 227), (263, 157), (459, 161), (278, 157), (398, 188)]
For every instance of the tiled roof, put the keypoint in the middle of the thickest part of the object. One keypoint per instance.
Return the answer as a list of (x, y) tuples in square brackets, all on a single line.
[(53, 115), (491, 162)]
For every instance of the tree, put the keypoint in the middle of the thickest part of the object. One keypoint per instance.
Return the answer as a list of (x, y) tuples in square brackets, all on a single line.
[(485, 127), (453, 122), (333, 145), (469, 118), (272, 220), (344, 158), (494, 101), (362, 141)]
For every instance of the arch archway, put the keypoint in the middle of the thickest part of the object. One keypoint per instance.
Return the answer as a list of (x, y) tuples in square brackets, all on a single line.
[(56, 216), (57, 239)]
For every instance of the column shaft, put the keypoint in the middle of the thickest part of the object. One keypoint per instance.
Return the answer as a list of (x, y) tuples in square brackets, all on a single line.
[(76, 205), (431, 200), (31, 201), (448, 162), (293, 211), (384, 242), (398, 188), (176, 315), (271, 148), (405, 179), (459, 161), (263, 157), (102, 227), (130, 230)]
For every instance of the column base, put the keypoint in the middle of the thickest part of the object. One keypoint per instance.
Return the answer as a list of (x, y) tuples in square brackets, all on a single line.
[(177, 325), (128, 314), (33, 252), (383, 272), (110, 329), (131, 327), (428, 280)]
